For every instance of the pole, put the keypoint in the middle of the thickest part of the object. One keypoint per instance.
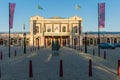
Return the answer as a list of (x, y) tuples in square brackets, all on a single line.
[(98, 33), (24, 43), (9, 30), (33, 41), (79, 33), (38, 43), (86, 42)]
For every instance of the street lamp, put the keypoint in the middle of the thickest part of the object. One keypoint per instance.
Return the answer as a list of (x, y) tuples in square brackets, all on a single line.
[(24, 43), (38, 42), (24, 35), (86, 42)]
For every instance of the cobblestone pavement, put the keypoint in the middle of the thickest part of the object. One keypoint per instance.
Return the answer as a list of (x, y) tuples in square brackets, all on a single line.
[(46, 65)]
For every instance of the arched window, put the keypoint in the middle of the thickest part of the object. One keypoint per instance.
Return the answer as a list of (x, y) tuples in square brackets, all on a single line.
[(63, 29), (75, 29), (37, 29)]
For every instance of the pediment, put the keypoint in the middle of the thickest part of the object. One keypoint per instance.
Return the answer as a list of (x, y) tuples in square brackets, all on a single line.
[(75, 18)]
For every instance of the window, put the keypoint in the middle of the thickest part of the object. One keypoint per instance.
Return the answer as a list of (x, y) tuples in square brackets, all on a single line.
[(75, 29), (63, 29), (36, 29), (48, 29)]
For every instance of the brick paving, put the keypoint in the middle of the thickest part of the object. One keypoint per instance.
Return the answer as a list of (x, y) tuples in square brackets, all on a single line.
[(46, 65)]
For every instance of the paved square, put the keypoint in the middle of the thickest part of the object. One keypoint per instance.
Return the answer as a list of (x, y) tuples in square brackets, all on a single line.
[(46, 66)]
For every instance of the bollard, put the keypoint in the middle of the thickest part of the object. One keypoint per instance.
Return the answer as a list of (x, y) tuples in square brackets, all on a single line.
[(30, 69), (90, 68), (118, 67), (31, 49), (61, 69), (0, 72), (93, 52), (104, 54), (1, 55), (81, 49), (15, 53)]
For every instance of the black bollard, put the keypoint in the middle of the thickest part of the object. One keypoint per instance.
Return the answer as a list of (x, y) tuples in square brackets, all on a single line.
[(30, 69), (104, 54), (90, 68), (61, 69), (15, 53), (93, 52)]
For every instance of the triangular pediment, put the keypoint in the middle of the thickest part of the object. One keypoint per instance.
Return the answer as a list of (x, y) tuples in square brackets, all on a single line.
[(75, 18)]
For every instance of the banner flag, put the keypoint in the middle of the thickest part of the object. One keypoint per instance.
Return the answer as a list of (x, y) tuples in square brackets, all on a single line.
[(101, 15), (11, 14)]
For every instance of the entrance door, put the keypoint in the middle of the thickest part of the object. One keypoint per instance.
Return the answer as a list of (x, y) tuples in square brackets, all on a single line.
[(49, 42), (64, 42)]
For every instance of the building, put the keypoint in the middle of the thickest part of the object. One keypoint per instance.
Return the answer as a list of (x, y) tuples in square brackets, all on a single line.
[(67, 30), (45, 30)]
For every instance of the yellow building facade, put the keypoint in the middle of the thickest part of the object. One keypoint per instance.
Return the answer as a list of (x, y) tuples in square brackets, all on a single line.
[(66, 30)]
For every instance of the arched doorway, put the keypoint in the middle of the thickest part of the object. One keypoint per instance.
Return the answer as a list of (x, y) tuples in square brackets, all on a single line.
[(49, 42), (64, 42), (1, 41), (108, 40), (115, 40)]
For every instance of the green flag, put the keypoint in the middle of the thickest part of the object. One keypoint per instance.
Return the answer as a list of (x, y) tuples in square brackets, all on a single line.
[(39, 7), (77, 7), (73, 33)]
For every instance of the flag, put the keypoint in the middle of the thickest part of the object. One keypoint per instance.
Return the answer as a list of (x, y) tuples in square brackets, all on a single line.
[(77, 7), (43, 31), (11, 14), (73, 33), (101, 15), (39, 7)]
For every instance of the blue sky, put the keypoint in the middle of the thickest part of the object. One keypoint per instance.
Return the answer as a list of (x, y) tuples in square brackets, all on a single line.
[(63, 8)]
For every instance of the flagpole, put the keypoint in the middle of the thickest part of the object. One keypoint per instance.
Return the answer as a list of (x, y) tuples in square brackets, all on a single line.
[(9, 30), (98, 33)]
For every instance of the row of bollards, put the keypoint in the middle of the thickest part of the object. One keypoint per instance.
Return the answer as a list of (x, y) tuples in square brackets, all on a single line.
[(31, 70), (90, 68), (104, 55), (15, 53), (61, 69)]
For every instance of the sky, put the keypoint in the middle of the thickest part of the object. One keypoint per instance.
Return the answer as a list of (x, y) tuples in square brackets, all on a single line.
[(63, 8)]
